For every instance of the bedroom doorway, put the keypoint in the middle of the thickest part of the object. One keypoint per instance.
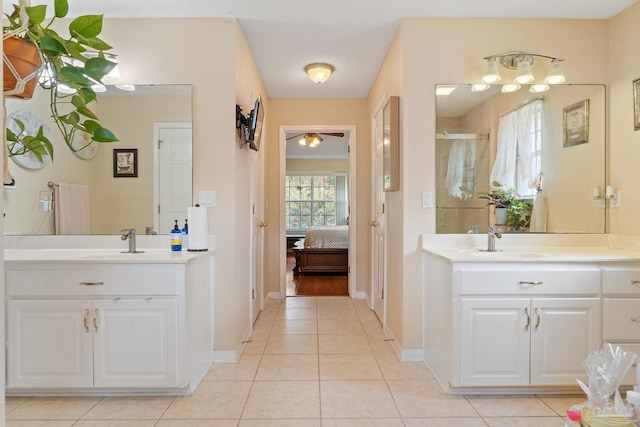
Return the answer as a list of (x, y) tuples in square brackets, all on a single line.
[(317, 187)]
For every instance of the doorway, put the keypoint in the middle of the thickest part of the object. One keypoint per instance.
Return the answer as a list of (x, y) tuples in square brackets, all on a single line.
[(293, 231)]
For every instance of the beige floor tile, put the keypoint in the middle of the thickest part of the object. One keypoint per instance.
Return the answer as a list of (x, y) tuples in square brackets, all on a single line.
[(340, 326), (302, 327), (331, 343), (507, 406), (349, 367), (519, 421), (11, 403), (279, 423), (244, 370), (211, 400), (197, 423), (393, 369), (53, 408), (261, 328), (425, 398), (300, 302), (346, 313), (364, 422), (256, 345), (288, 367), (283, 399), (273, 304), (39, 423), (129, 408), (560, 404), (357, 399), (115, 423), (292, 344), (380, 344), (445, 422), (329, 302), (297, 314)]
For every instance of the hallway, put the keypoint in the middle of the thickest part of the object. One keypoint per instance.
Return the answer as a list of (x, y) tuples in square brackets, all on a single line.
[(311, 362)]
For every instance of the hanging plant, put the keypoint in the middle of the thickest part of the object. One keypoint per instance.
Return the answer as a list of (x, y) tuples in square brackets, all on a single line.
[(69, 67)]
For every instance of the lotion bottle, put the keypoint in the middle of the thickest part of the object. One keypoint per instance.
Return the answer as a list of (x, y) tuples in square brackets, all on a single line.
[(185, 236), (176, 238)]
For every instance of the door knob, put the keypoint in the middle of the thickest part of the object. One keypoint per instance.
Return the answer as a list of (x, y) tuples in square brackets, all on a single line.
[(262, 224), (373, 223)]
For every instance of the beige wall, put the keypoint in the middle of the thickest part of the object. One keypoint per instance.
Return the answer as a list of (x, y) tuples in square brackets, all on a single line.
[(624, 147), (306, 112), (444, 51), (318, 165)]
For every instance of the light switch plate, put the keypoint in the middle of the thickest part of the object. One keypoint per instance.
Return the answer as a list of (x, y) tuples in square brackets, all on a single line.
[(207, 199), (427, 199)]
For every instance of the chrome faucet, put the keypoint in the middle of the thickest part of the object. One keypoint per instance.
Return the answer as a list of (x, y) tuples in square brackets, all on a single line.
[(492, 233), (130, 233)]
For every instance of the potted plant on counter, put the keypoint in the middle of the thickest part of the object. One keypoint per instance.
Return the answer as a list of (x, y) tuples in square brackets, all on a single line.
[(66, 66), (519, 214), (501, 198)]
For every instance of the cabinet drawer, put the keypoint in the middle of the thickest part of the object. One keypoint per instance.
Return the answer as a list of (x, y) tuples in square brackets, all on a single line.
[(95, 280), (619, 315), (626, 282), (528, 281)]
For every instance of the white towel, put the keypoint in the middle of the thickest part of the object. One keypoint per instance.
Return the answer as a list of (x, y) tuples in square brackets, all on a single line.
[(461, 173), (539, 213), (71, 209)]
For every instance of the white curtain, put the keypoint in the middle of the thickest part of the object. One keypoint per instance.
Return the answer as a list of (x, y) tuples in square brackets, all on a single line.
[(461, 170), (505, 164)]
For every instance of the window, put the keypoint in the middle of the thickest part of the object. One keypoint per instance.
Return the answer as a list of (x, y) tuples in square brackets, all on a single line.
[(519, 156), (310, 201)]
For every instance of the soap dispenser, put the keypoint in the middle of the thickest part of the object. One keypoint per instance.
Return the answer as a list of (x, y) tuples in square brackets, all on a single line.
[(185, 236), (176, 238)]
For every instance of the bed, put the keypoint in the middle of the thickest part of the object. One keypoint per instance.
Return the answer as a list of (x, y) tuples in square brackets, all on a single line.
[(324, 250)]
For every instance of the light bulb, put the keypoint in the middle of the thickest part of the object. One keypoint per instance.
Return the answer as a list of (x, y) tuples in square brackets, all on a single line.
[(524, 74), (538, 88), (491, 74), (480, 87), (512, 87), (554, 74)]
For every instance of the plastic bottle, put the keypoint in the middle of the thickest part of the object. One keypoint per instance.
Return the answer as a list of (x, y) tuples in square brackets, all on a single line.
[(176, 238), (185, 236)]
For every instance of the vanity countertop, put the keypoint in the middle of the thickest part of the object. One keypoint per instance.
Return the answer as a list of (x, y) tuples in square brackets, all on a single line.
[(100, 256), (535, 254)]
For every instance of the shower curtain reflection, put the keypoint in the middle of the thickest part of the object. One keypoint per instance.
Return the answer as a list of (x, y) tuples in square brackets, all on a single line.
[(462, 172)]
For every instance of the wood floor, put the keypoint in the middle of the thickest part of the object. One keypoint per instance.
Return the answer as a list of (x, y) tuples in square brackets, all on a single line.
[(314, 284)]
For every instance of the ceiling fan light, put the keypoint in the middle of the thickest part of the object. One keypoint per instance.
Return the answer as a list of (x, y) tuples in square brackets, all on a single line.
[(491, 73), (303, 140), (554, 74), (524, 74), (319, 72)]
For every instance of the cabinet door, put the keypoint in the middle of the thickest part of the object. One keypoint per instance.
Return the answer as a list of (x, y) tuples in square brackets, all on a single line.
[(135, 342), (564, 332), (494, 347), (48, 344)]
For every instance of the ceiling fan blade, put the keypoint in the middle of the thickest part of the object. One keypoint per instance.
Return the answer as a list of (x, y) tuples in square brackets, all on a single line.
[(338, 134), (295, 136)]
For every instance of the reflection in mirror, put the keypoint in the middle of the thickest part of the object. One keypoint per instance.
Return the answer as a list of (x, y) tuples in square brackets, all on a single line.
[(156, 121), (467, 134)]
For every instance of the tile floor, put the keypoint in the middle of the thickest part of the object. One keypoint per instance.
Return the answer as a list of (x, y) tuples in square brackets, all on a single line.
[(312, 362)]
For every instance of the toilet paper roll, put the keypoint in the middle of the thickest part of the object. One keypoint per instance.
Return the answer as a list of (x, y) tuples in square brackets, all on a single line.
[(198, 229)]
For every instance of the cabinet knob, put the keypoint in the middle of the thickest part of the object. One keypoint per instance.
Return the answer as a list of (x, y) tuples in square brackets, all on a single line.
[(262, 224), (373, 223)]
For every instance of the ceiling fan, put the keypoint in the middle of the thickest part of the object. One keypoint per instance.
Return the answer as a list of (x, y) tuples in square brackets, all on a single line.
[(314, 139)]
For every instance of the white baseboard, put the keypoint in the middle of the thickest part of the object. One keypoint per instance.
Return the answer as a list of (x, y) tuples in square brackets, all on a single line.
[(404, 354), (274, 295)]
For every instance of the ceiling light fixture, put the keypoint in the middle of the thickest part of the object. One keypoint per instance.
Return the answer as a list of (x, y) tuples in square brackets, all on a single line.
[(445, 90), (520, 61), (319, 72), (313, 139)]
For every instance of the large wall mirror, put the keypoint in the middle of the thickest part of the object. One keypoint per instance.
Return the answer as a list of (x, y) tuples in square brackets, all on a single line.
[(467, 133), (154, 122)]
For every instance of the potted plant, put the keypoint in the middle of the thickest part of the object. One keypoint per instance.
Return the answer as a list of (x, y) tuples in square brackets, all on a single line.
[(519, 214), (75, 63), (501, 198)]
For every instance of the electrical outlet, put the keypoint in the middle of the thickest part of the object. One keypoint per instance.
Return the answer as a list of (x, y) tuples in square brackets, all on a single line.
[(427, 199)]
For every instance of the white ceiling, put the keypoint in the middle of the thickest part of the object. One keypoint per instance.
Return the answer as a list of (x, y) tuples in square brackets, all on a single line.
[(353, 35), (331, 147)]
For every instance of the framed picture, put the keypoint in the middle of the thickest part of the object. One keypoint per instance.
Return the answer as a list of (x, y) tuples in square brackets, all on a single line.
[(391, 136), (576, 124), (636, 104), (125, 162)]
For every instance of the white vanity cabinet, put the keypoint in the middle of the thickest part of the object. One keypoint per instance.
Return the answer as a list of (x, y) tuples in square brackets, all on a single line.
[(108, 327), (512, 324)]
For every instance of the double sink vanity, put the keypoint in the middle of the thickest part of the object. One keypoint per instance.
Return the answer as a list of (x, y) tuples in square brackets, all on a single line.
[(83, 320), (525, 317)]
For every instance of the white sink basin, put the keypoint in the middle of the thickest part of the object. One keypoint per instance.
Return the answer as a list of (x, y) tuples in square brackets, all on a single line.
[(510, 253)]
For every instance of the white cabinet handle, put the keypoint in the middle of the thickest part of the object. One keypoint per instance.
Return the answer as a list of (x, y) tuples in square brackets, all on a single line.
[(537, 318), (95, 320), (525, 282), (526, 312), (86, 320), (91, 283)]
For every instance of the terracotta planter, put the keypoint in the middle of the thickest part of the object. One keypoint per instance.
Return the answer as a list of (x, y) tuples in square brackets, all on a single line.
[(24, 58)]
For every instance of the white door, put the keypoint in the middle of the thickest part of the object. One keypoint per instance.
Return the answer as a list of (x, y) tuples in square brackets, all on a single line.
[(135, 342), (494, 342), (378, 258), (49, 344), (257, 227), (563, 333), (173, 182)]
